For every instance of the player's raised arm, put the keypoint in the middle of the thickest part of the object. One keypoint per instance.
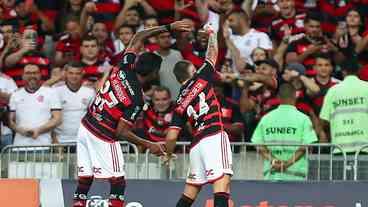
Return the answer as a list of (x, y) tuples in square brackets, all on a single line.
[(137, 41), (212, 47)]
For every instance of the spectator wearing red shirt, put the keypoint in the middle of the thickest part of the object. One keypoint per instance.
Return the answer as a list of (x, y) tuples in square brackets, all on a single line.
[(193, 50), (230, 113), (104, 11), (28, 52), (71, 10), (294, 73), (333, 12), (132, 13), (8, 12), (151, 43), (312, 44), (30, 15), (50, 8), (157, 115), (287, 17), (67, 47), (9, 39), (93, 68), (324, 80), (105, 44), (259, 87)]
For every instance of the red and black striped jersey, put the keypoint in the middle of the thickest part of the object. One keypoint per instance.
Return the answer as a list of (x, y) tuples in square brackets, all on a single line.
[(230, 113), (93, 72), (156, 123), (295, 23), (198, 105), (300, 46), (301, 104), (120, 98), (107, 11), (317, 100)]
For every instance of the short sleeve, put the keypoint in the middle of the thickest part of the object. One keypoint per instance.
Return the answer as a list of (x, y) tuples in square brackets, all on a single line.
[(130, 114), (12, 103), (265, 42), (309, 135), (206, 71), (177, 121), (258, 137), (11, 86), (54, 99), (128, 61), (326, 110)]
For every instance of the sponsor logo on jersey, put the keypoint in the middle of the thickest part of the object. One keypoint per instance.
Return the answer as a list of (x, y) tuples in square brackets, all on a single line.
[(193, 93)]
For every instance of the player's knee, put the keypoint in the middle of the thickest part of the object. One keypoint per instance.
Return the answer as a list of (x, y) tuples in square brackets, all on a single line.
[(222, 184)]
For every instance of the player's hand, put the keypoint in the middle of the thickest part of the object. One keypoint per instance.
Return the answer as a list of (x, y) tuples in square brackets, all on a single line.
[(157, 149), (167, 158), (23, 131), (35, 133), (181, 26)]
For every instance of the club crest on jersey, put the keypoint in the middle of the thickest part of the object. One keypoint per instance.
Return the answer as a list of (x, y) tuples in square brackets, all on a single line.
[(122, 75), (168, 117), (40, 99)]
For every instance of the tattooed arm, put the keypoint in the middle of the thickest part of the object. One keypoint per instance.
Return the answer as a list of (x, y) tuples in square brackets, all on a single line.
[(137, 41), (212, 48)]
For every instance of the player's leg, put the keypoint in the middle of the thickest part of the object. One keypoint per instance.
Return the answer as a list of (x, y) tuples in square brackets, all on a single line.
[(217, 157), (117, 182), (195, 179), (189, 195), (85, 173), (108, 163), (221, 190)]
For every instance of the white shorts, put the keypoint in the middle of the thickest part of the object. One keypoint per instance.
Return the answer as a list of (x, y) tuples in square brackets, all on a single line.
[(210, 160), (98, 158)]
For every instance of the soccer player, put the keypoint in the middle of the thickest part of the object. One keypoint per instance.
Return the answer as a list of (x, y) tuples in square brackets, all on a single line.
[(210, 154), (111, 116)]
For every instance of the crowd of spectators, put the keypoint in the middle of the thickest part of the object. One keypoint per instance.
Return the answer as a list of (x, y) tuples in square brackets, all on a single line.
[(59, 51)]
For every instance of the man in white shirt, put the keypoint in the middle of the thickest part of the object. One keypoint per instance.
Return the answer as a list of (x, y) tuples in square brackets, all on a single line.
[(75, 100), (7, 87), (34, 110), (246, 39), (169, 58)]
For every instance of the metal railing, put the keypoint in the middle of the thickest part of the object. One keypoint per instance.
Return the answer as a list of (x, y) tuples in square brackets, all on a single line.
[(324, 163), (360, 170), (59, 161), (51, 161)]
